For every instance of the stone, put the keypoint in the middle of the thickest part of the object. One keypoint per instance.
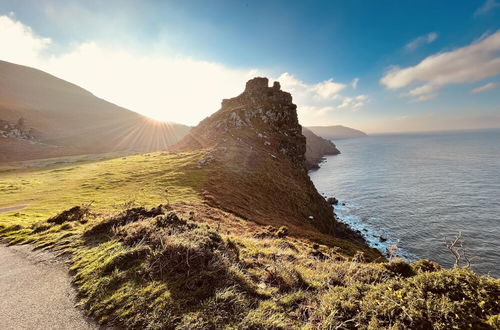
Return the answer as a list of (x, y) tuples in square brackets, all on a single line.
[(332, 201)]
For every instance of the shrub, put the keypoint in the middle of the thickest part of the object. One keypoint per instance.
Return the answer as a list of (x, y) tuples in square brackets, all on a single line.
[(76, 213), (444, 299), (285, 278), (40, 227), (400, 268), (281, 232), (425, 265), (121, 219)]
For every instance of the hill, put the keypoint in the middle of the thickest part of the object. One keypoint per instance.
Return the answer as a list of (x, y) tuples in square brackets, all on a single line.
[(317, 148), (64, 119), (336, 132)]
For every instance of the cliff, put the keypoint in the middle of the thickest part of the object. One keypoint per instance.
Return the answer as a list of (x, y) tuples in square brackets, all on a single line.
[(317, 148), (256, 145)]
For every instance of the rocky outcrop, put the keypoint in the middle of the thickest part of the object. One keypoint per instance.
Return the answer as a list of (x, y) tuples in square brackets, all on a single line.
[(256, 158), (18, 130), (262, 117), (317, 148)]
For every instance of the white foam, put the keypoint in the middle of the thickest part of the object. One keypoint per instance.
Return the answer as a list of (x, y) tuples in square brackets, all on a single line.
[(345, 213)]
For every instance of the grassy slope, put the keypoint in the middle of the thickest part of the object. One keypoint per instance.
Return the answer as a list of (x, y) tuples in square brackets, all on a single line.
[(50, 187), (214, 269)]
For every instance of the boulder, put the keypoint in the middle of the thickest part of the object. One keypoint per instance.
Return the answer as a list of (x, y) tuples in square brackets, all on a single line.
[(332, 201)]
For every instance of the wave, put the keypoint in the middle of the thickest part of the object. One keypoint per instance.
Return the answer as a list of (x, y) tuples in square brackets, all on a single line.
[(378, 238)]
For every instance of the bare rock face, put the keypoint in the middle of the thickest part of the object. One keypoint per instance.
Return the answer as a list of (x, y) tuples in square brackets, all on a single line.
[(263, 117), (17, 130)]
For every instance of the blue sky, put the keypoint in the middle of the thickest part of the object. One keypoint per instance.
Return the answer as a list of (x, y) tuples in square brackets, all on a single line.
[(319, 49)]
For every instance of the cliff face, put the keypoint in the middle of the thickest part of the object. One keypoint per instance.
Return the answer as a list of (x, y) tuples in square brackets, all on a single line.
[(317, 148), (261, 117), (257, 153)]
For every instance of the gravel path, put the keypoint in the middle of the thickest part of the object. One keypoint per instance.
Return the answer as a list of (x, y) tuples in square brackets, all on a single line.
[(36, 292)]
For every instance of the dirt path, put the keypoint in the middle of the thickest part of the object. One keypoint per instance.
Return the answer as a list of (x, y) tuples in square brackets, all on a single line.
[(12, 208), (36, 292)]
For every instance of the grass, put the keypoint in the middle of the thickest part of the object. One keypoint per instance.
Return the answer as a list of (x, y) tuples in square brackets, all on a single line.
[(146, 179), (170, 260)]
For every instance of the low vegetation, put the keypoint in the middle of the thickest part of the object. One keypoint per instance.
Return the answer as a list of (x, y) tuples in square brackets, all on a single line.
[(146, 252)]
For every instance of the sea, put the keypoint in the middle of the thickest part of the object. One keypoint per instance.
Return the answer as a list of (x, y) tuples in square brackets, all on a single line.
[(416, 191)]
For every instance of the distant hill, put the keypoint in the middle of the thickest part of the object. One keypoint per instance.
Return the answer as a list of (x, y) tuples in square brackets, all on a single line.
[(317, 148), (59, 118), (336, 132)]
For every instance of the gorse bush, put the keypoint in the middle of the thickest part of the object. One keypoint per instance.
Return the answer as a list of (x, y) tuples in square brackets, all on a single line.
[(446, 299)]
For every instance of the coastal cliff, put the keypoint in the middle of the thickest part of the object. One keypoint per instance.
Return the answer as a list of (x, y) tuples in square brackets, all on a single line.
[(256, 144), (317, 148)]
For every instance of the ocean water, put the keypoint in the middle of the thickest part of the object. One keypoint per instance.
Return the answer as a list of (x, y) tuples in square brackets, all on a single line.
[(413, 190)]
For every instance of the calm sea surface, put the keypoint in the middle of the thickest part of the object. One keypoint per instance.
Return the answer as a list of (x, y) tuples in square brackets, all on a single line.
[(415, 189)]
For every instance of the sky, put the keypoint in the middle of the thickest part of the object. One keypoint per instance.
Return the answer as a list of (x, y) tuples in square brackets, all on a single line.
[(378, 66)]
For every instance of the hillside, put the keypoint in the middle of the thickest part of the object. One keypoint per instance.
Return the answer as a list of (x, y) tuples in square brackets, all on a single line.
[(64, 119), (317, 148), (336, 132)]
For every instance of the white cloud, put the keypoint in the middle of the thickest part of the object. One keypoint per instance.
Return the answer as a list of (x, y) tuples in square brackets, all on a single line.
[(315, 100), (486, 87), (327, 89), (471, 63), (20, 44), (486, 7), (426, 39), (425, 89), (161, 86), (354, 103)]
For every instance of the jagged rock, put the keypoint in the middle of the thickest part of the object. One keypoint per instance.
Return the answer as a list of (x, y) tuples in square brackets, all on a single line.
[(332, 201), (260, 108)]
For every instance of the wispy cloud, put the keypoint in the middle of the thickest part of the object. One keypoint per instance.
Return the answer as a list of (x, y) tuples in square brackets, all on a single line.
[(486, 87), (420, 41), (471, 63), (156, 84), (486, 7)]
